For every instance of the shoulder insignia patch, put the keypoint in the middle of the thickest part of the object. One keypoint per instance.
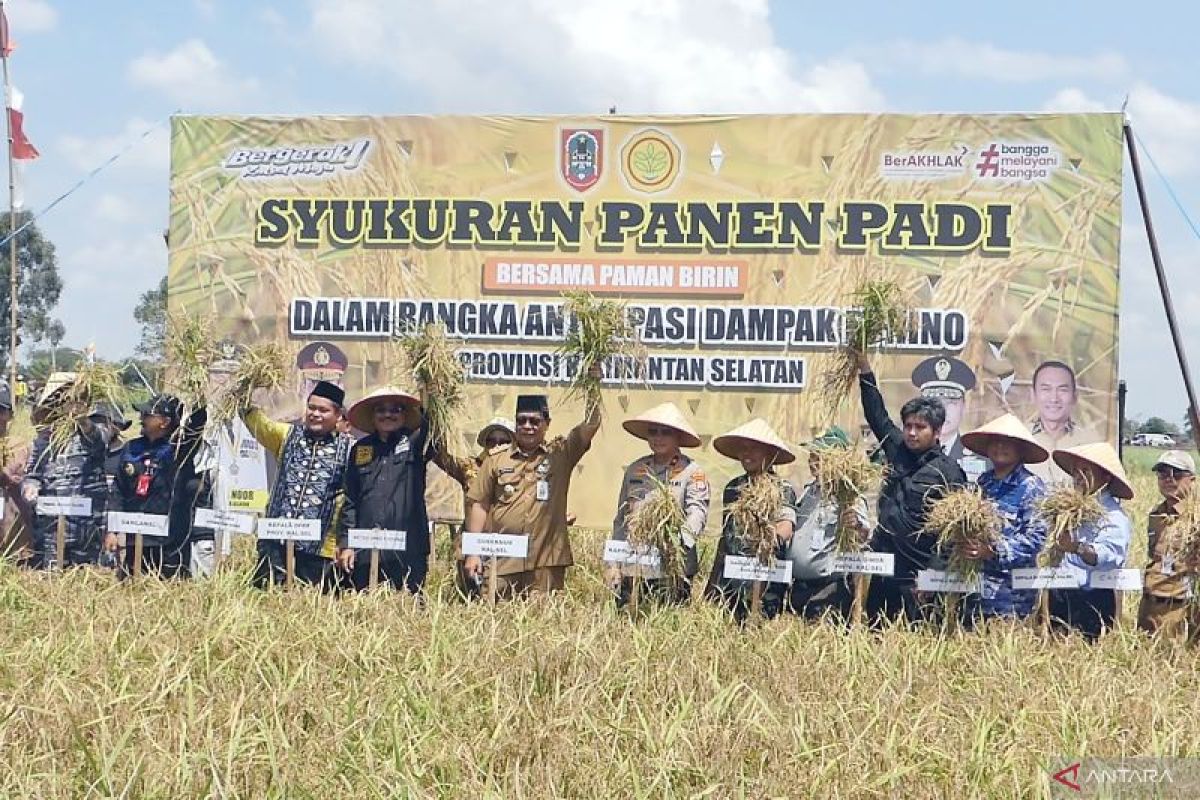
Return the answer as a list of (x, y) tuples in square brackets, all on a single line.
[(363, 454), (129, 468)]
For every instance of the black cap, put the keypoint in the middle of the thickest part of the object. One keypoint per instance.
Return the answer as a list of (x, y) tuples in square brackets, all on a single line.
[(163, 405), (944, 376), (110, 412), (534, 402), (329, 391)]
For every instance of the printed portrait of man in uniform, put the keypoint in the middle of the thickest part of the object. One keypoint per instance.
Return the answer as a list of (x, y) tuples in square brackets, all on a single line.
[(949, 379)]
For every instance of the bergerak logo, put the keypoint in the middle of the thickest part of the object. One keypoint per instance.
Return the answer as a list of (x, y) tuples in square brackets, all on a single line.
[(1069, 777)]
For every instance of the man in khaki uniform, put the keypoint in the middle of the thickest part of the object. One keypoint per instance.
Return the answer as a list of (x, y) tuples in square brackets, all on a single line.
[(1166, 607), (1055, 395), (522, 490), (15, 541), (666, 430)]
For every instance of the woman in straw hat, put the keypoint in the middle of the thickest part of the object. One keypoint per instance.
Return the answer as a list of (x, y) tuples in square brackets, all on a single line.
[(385, 487), (1015, 491), (759, 450), (665, 430), (1094, 547)]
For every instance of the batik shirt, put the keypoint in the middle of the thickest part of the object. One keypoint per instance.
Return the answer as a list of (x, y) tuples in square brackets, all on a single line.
[(1015, 496)]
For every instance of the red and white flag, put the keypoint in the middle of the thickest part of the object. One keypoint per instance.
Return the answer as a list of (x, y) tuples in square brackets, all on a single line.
[(22, 148), (6, 43)]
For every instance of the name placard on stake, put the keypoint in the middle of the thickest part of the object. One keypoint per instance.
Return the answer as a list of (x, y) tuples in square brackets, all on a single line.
[(625, 554), (865, 563), (151, 525), (1044, 578), (496, 545), (1120, 580), (227, 521), (747, 568), (376, 539), (936, 580), (283, 529), (65, 506)]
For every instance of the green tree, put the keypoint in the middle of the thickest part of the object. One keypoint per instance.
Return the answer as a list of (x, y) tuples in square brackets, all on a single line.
[(39, 284), (151, 314), (1159, 425)]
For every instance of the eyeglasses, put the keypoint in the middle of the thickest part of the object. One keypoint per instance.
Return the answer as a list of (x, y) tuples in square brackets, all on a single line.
[(1173, 474), (654, 430), (382, 409), (532, 420)]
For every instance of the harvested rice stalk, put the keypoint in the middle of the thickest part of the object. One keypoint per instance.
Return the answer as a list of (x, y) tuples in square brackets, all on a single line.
[(964, 517), (658, 522), (882, 311), (191, 350), (1185, 532), (755, 512), (432, 360), (260, 366), (94, 384), (601, 331), (846, 474), (1066, 508)]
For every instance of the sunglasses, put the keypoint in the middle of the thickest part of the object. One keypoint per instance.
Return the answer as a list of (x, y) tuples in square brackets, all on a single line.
[(391, 409), (532, 420), (654, 430), (1174, 474)]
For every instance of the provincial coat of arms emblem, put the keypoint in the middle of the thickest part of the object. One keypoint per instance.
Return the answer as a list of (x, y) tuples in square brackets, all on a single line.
[(581, 157)]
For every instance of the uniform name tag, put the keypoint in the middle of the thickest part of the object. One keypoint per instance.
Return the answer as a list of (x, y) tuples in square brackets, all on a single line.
[(1120, 580), (228, 521), (376, 539), (1044, 578), (865, 563), (145, 524), (543, 490), (746, 568), (500, 545), (936, 580), (283, 529), (52, 506)]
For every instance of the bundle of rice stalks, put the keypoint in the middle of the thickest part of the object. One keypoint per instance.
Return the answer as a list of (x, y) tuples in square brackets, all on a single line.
[(755, 512), (658, 522), (94, 384), (881, 311), (191, 350), (261, 366), (846, 475), (960, 518), (432, 359), (600, 330), (1185, 532), (1066, 508)]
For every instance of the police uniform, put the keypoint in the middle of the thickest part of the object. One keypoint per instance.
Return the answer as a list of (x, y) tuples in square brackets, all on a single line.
[(948, 378), (691, 490), (526, 494)]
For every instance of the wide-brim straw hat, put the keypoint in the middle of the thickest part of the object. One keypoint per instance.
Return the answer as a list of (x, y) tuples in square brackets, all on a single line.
[(495, 424), (1007, 427), (1102, 455), (756, 431), (362, 413), (666, 416)]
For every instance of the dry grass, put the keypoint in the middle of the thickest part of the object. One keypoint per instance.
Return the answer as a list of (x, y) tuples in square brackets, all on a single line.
[(755, 512), (846, 474), (600, 331), (430, 358), (260, 366), (191, 350), (881, 313), (658, 521), (94, 384), (1066, 508), (960, 518)]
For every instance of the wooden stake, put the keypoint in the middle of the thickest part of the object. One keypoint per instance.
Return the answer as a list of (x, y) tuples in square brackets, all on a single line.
[(636, 590), (756, 597), (492, 580), (218, 549), (1043, 612), (373, 581), (859, 603), (290, 561), (60, 543), (138, 549)]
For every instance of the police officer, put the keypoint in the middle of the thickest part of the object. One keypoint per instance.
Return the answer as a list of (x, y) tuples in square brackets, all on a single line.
[(948, 379), (666, 430), (522, 489)]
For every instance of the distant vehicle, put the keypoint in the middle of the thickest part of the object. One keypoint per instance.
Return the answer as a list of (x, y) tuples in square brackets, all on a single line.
[(1152, 440)]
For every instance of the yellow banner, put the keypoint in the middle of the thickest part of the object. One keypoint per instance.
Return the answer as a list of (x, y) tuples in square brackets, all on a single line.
[(737, 242)]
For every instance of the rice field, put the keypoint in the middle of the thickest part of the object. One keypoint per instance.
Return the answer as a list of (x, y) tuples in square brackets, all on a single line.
[(212, 689)]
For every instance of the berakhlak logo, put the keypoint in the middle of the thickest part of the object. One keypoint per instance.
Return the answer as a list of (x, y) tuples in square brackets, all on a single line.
[(581, 157), (1069, 777)]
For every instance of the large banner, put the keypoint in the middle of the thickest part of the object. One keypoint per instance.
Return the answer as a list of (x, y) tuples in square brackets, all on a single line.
[(737, 242)]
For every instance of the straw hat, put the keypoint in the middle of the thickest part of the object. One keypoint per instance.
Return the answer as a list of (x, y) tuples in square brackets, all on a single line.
[(1006, 427), (756, 431), (362, 413), (1102, 455), (666, 416), (496, 424)]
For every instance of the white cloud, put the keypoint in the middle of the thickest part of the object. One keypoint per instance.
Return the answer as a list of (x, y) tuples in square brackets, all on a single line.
[(148, 152), (1074, 101), (30, 16), (542, 55), (967, 59), (192, 76), (1168, 126)]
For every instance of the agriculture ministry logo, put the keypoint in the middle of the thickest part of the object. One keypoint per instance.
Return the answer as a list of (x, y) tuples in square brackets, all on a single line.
[(650, 161), (299, 161), (581, 157)]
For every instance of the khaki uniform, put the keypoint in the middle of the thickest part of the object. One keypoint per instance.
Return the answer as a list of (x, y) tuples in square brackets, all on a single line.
[(688, 485), (508, 484), (1048, 470), (1166, 606), (15, 539)]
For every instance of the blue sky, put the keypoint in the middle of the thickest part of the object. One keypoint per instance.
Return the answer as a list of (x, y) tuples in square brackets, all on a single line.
[(96, 76)]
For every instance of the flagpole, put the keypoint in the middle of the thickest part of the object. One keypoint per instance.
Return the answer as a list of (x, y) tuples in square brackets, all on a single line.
[(12, 225)]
